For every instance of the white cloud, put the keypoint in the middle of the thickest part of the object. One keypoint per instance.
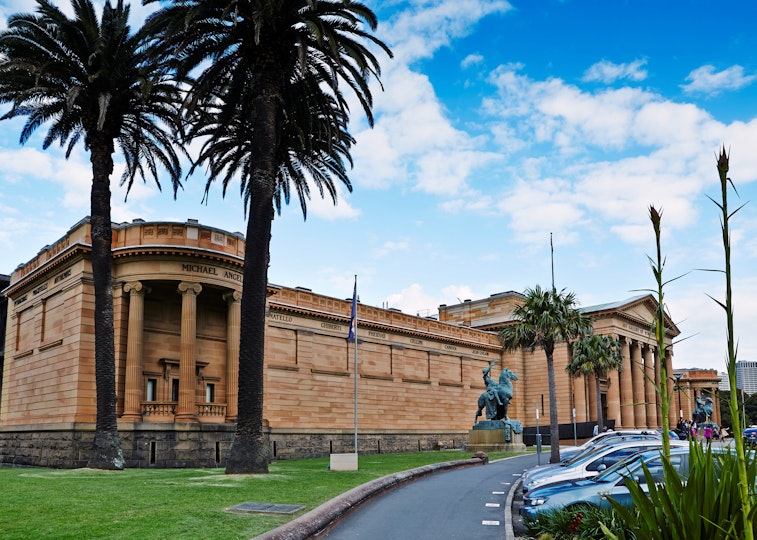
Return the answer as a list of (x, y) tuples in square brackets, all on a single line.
[(705, 80), (390, 247), (471, 60), (608, 72)]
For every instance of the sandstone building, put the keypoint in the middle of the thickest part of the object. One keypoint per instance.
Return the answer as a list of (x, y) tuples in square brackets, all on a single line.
[(176, 314)]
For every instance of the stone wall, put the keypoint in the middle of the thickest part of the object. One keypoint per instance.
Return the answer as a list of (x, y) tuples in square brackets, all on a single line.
[(155, 445)]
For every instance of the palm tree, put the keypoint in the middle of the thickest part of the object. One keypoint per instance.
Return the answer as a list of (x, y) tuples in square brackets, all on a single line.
[(269, 98), (95, 82), (596, 355), (544, 318)]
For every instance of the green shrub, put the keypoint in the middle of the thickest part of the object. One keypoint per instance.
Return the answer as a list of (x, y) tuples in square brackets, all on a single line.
[(706, 506)]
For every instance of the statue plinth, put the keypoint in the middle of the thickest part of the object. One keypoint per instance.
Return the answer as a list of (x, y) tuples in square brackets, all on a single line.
[(496, 436)]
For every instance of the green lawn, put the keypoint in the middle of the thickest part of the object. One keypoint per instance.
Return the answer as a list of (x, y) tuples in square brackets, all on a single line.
[(178, 503)]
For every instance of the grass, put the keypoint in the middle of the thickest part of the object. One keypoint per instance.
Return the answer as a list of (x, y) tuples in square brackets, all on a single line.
[(178, 503)]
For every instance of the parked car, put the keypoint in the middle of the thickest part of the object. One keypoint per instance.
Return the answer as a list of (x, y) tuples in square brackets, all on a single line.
[(567, 452), (602, 440), (593, 463), (611, 483), (750, 435)]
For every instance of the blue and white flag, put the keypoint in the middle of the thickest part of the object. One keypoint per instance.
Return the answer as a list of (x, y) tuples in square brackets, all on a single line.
[(353, 315)]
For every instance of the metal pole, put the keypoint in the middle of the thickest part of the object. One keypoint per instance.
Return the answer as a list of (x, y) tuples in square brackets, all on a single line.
[(575, 440), (538, 438), (355, 344)]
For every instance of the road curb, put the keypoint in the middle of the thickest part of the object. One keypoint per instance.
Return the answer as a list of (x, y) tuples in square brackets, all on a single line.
[(509, 531), (319, 519)]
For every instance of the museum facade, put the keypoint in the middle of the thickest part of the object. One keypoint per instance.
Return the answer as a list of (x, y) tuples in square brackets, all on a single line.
[(176, 295)]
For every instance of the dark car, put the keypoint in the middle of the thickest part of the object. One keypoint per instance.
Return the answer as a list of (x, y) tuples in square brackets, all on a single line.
[(750, 435)]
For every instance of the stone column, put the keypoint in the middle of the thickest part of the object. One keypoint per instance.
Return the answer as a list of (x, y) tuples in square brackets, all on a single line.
[(649, 390), (232, 353), (657, 381), (187, 409), (626, 386), (133, 390), (579, 400), (637, 374), (674, 410), (613, 395), (591, 397)]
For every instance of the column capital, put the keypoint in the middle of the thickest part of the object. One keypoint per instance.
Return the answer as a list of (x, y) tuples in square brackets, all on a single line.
[(186, 287), (136, 287), (232, 296)]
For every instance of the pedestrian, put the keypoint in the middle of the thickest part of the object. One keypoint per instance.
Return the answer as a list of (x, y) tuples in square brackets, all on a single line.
[(708, 434), (596, 430), (723, 433)]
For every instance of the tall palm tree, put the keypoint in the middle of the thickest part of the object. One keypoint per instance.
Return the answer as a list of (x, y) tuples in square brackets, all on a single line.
[(94, 81), (596, 355), (544, 318), (269, 97)]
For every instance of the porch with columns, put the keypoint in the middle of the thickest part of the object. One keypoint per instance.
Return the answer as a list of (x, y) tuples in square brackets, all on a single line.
[(193, 402)]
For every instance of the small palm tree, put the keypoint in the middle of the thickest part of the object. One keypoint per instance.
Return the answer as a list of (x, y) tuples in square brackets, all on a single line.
[(596, 355), (95, 82), (269, 98), (544, 318)]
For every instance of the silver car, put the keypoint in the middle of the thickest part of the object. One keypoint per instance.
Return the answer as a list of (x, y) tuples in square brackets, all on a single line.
[(593, 463), (611, 483)]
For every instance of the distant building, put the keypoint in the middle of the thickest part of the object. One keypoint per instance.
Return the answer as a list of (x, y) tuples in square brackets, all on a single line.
[(724, 385), (746, 376), (4, 281)]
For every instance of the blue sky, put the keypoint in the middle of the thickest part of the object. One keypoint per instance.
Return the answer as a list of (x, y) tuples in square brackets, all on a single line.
[(499, 123)]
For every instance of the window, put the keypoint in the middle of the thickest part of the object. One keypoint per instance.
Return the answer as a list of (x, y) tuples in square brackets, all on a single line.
[(210, 393), (152, 385), (174, 389)]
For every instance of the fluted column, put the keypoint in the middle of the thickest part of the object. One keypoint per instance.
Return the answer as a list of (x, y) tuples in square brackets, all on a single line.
[(613, 396), (591, 397), (232, 353), (187, 409), (133, 381), (649, 391), (579, 399), (675, 411), (637, 374), (657, 381), (626, 387)]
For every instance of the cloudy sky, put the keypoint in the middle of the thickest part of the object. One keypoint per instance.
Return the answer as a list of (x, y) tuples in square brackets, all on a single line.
[(500, 124)]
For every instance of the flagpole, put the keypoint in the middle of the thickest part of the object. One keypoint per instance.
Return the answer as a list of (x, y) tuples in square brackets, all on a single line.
[(353, 334)]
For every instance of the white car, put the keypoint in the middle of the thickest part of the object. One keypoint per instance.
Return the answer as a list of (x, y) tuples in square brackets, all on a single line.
[(567, 452), (593, 463), (604, 439)]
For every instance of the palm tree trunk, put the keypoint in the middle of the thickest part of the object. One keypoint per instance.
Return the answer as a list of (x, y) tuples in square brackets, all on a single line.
[(250, 450), (106, 451), (554, 427), (598, 388)]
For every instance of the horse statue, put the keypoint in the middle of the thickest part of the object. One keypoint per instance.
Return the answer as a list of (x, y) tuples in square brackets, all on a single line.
[(703, 410), (497, 396)]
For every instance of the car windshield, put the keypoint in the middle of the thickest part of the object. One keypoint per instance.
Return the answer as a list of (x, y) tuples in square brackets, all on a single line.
[(622, 468)]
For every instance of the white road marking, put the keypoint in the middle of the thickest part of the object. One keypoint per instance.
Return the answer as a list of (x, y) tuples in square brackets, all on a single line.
[(492, 505), (489, 522), (498, 492)]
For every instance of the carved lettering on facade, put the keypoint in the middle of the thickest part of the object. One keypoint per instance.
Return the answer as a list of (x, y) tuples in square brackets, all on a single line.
[(416, 341), (450, 348), (232, 275), (41, 288), (331, 326), (380, 335), (62, 276), (480, 353), (282, 318), (199, 269), (20, 300)]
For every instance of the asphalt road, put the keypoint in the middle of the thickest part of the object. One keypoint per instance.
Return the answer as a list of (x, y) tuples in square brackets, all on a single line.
[(462, 504)]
